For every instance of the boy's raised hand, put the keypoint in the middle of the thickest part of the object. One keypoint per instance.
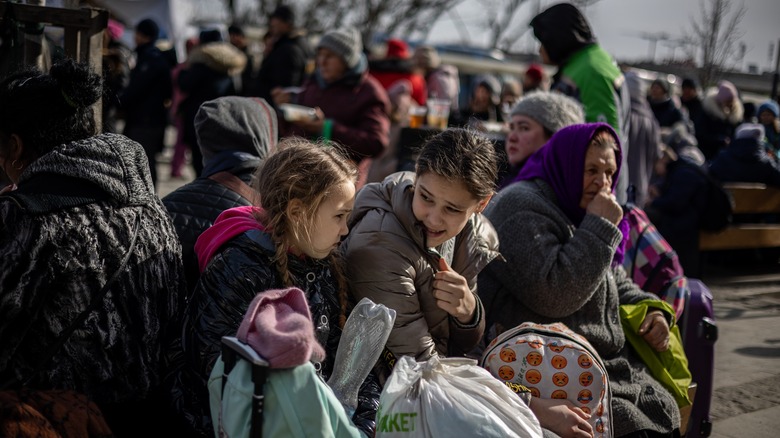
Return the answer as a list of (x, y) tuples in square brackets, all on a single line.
[(452, 293)]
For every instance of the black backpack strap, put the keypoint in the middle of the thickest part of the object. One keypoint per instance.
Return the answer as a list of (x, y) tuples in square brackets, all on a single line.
[(259, 375), (232, 350), (229, 359)]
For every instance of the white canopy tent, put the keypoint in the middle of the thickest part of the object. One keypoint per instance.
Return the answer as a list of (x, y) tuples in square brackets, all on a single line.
[(178, 19)]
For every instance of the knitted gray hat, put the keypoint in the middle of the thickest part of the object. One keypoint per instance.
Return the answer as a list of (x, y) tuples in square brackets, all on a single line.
[(750, 130), (346, 43), (552, 110)]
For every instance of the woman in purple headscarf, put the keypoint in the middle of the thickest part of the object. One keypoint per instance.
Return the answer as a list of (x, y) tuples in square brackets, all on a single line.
[(561, 231)]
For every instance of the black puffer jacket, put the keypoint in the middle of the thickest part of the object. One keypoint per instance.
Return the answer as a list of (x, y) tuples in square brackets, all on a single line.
[(195, 206), (235, 134), (243, 267)]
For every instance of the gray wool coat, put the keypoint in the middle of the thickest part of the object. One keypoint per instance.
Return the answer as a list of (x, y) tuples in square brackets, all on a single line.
[(556, 272), (55, 259)]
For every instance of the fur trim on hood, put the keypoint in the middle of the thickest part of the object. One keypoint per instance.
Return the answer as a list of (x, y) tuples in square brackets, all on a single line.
[(219, 56), (710, 106)]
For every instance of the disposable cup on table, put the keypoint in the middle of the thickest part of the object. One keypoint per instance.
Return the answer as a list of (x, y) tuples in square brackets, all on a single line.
[(438, 113), (293, 113), (417, 116)]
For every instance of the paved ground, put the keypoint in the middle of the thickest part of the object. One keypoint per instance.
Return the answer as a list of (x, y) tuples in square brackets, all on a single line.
[(746, 397)]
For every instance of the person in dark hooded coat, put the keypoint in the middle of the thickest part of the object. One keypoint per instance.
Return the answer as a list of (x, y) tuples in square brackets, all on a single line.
[(677, 201), (234, 134), (745, 159), (586, 72), (208, 76)]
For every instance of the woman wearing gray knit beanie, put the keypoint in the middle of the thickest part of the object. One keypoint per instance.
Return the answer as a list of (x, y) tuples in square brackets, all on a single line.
[(351, 107), (535, 118)]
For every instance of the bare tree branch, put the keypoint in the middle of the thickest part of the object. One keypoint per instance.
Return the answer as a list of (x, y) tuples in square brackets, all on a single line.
[(373, 16), (715, 36)]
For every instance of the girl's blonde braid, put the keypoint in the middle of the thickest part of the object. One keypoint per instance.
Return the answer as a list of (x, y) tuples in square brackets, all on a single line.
[(281, 258), (337, 267)]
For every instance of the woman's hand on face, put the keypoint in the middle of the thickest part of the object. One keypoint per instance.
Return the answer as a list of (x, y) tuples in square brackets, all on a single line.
[(562, 417), (655, 330), (8, 188), (452, 293), (605, 205)]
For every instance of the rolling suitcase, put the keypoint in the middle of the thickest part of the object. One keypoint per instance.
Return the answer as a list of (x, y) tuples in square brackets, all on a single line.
[(699, 335)]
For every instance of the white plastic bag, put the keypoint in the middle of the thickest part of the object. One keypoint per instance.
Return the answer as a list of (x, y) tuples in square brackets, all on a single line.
[(450, 397), (362, 339)]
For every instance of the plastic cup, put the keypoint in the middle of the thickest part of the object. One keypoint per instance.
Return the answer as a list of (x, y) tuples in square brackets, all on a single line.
[(417, 116), (294, 113), (438, 113)]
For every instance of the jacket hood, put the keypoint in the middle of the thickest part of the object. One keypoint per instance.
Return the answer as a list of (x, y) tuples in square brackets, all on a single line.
[(637, 90), (394, 196), (229, 224), (745, 149), (219, 56), (112, 162), (233, 123), (710, 106), (562, 30)]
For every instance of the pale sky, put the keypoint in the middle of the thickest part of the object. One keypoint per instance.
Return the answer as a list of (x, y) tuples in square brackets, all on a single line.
[(619, 23)]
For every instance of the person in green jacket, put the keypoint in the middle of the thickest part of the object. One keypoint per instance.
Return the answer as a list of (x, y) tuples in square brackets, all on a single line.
[(586, 72)]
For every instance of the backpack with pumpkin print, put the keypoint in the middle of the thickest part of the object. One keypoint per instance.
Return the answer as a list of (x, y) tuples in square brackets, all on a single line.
[(553, 361)]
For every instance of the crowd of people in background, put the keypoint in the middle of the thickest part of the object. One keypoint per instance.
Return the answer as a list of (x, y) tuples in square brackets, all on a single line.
[(295, 149)]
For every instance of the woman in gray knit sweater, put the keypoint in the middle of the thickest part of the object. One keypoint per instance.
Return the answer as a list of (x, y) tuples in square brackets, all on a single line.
[(561, 233)]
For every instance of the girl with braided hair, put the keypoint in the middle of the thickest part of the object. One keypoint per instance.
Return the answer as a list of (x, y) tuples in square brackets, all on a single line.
[(306, 191)]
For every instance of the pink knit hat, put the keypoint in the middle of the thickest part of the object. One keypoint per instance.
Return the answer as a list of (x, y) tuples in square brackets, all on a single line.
[(727, 92), (278, 326)]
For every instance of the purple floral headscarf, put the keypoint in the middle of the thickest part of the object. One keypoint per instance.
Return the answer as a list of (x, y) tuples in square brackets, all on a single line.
[(561, 164)]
